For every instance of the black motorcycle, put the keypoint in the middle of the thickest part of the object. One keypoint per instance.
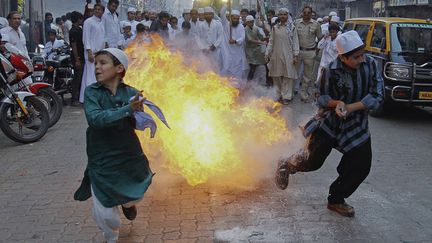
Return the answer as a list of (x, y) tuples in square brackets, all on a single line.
[(59, 70)]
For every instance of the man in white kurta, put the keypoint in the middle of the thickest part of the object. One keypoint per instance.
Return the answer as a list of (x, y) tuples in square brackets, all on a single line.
[(94, 41), (131, 20), (194, 22), (233, 49), (210, 38), (13, 31), (111, 24)]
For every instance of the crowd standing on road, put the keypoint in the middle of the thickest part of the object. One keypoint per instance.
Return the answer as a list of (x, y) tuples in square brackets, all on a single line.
[(302, 55)]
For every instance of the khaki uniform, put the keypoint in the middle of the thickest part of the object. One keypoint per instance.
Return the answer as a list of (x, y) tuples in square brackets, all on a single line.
[(308, 34)]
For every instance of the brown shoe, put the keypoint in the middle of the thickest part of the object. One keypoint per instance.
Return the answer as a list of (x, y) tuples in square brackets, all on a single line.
[(342, 208), (130, 213)]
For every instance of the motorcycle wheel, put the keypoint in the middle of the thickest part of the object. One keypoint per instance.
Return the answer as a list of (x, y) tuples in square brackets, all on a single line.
[(24, 130), (53, 103)]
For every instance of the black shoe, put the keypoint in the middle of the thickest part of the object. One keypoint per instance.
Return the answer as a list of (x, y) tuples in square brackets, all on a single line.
[(283, 171), (342, 208), (75, 103), (130, 213), (286, 101)]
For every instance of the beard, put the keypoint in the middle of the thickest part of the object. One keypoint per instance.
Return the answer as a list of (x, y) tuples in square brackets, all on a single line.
[(234, 24)]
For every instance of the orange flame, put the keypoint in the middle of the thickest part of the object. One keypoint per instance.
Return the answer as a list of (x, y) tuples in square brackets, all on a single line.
[(213, 134)]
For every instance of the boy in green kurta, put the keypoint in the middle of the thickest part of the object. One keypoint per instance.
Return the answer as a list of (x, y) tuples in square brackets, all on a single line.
[(118, 171)]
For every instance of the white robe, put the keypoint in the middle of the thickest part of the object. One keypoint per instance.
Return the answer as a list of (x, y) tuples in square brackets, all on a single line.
[(329, 53), (93, 39), (211, 34), (16, 38), (112, 28), (47, 52), (233, 55), (133, 24), (194, 27)]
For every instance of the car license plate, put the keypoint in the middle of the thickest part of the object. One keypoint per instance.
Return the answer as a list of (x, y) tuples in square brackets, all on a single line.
[(425, 95)]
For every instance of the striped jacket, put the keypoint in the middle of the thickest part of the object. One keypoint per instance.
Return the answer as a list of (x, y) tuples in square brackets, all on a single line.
[(340, 83)]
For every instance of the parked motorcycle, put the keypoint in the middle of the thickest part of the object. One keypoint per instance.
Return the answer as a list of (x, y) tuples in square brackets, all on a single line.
[(43, 90), (59, 70), (23, 117)]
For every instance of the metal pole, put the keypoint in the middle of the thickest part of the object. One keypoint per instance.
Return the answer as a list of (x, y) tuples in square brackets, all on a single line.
[(43, 22), (230, 26), (30, 26)]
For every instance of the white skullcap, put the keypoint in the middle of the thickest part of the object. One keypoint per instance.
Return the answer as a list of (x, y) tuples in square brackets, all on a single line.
[(120, 55), (335, 19), (273, 20), (131, 9), (125, 24), (208, 10), (235, 12), (90, 6), (348, 41), (5, 38), (283, 10), (249, 18), (186, 11), (326, 17), (200, 10), (320, 20), (332, 13)]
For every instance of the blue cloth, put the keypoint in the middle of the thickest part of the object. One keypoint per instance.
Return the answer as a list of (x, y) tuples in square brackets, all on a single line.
[(145, 120)]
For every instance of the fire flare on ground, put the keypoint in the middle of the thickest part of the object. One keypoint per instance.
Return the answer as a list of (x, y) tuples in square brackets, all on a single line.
[(213, 134)]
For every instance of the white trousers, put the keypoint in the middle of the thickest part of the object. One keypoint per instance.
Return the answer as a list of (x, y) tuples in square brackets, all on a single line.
[(284, 87), (108, 219)]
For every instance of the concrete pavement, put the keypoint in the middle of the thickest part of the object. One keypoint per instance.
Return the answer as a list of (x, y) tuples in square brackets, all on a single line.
[(37, 182)]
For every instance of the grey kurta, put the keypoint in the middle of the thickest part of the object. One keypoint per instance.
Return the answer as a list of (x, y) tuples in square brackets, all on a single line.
[(283, 46), (253, 51)]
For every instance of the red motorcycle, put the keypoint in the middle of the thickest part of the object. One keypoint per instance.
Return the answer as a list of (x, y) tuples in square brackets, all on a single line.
[(23, 117), (43, 90)]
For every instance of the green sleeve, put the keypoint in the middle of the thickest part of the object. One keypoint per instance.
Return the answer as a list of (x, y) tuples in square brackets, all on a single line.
[(97, 117)]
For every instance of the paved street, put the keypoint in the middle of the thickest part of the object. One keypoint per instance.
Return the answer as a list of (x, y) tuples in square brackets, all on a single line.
[(37, 182)]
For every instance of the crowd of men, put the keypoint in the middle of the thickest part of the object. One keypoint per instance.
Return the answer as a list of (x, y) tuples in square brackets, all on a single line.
[(269, 48)]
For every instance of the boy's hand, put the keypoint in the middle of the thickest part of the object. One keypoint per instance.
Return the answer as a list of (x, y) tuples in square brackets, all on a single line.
[(341, 110), (136, 103)]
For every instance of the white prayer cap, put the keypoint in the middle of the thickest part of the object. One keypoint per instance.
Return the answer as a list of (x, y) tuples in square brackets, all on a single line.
[(249, 18), (90, 6), (208, 10), (131, 9), (320, 20), (348, 41), (235, 12), (200, 10), (326, 17), (120, 55), (335, 19), (283, 10), (186, 11), (4, 38), (125, 24), (273, 20), (332, 13)]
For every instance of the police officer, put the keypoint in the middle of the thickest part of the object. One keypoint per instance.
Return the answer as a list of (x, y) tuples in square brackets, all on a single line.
[(309, 32)]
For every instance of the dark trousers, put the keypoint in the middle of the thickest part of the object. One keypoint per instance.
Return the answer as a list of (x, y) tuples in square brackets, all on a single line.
[(76, 83), (353, 168)]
